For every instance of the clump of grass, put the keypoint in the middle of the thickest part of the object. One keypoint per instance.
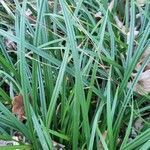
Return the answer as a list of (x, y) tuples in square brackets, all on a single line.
[(75, 66)]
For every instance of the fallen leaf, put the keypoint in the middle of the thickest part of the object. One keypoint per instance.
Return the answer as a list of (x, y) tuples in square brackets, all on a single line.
[(10, 45), (139, 124), (144, 81), (146, 53), (18, 107), (143, 85)]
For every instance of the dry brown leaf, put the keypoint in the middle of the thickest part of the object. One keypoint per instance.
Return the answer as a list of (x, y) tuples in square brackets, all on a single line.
[(10, 45), (139, 124), (143, 85), (18, 107), (144, 81), (145, 54)]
